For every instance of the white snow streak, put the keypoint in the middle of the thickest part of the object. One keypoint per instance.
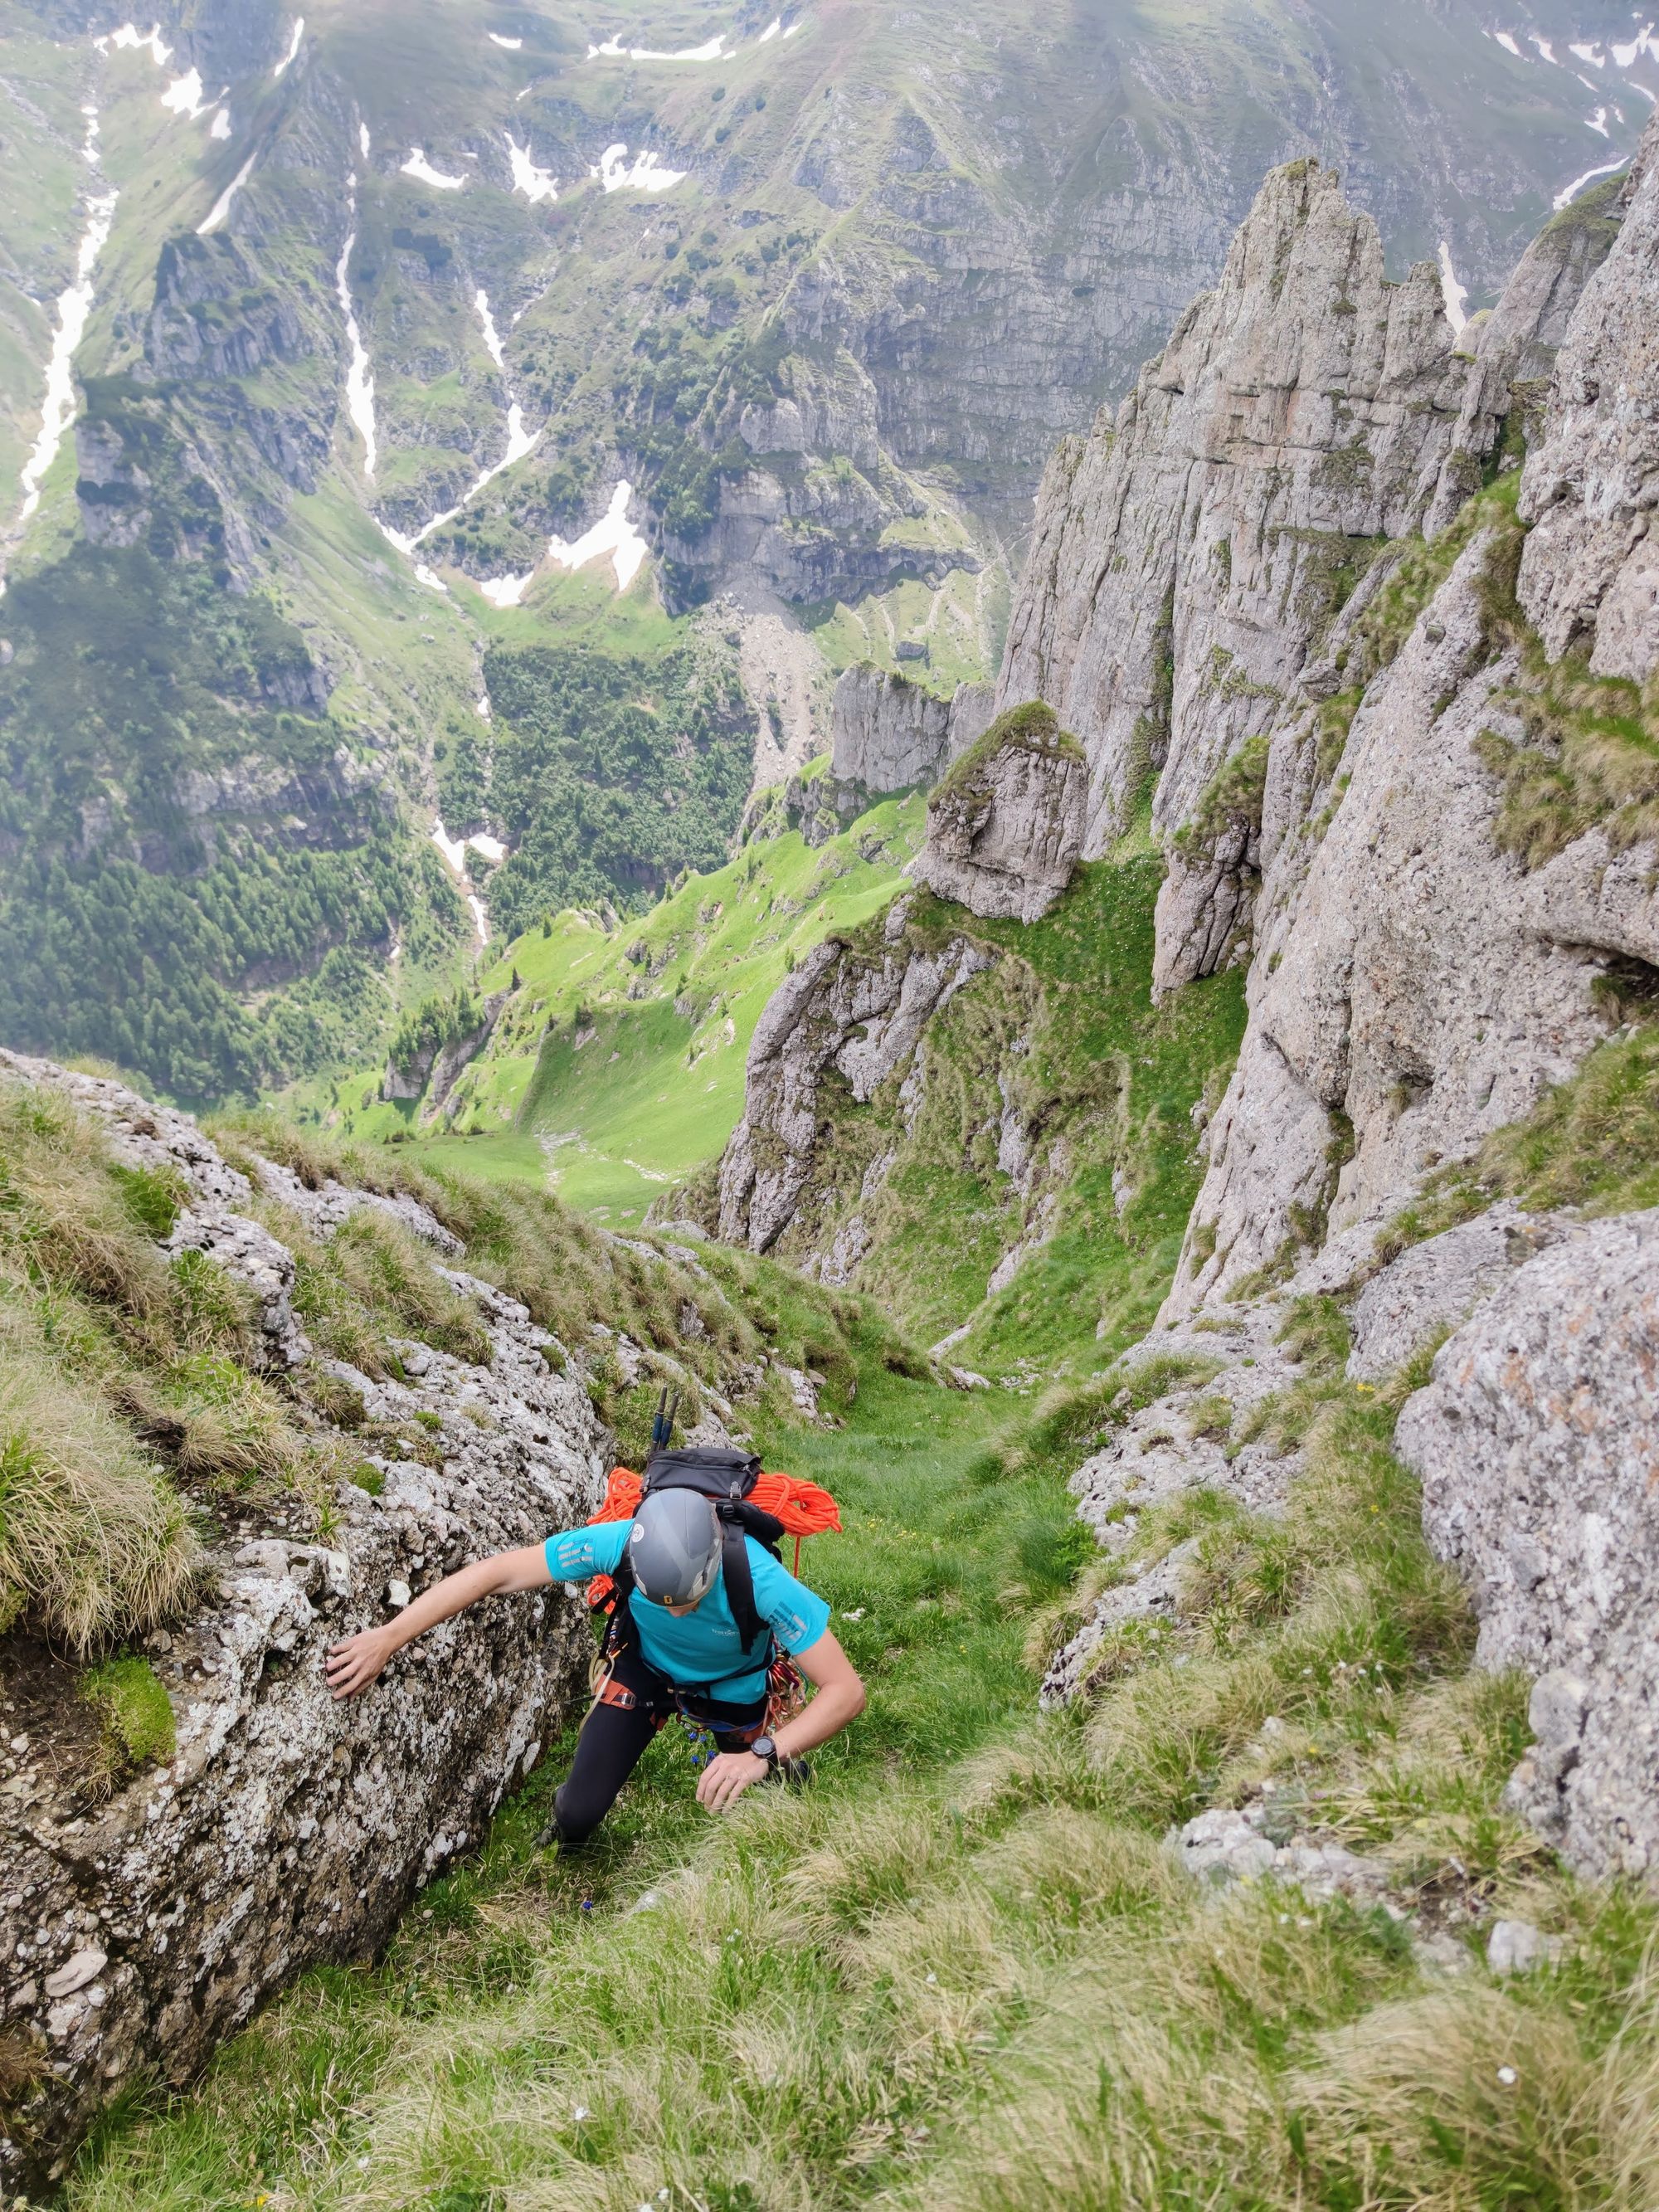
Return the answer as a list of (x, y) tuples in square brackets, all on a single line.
[(222, 206), (1642, 42), (221, 125), (360, 385), (454, 852), (1545, 47), (1598, 122), (1451, 292), (1566, 197), (74, 306), (535, 184), (646, 175), (512, 45), (1509, 44), (771, 30), (712, 50), (613, 534), (293, 45), (791, 32), (1590, 54), (492, 336), (362, 140), (488, 848), (418, 166)]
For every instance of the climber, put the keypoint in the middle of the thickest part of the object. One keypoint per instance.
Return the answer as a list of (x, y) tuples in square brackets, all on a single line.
[(676, 1644)]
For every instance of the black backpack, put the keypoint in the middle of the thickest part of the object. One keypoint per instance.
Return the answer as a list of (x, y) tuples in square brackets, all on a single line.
[(726, 1477)]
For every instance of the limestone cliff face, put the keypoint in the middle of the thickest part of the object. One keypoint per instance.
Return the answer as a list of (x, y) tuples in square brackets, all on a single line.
[(1590, 571), (886, 733), (1188, 551), (843, 1018), (1415, 982)]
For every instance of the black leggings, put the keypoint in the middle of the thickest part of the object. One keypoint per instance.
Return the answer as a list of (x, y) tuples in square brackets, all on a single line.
[(635, 1705)]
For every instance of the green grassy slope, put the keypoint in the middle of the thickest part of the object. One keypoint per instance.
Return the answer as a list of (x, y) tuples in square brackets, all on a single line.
[(618, 1066), (962, 1970)]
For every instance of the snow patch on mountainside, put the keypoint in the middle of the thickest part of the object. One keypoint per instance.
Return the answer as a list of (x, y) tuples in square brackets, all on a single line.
[(1570, 192), (646, 173), (418, 166), (222, 206), (184, 96), (74, 306), (712, 50), (293, 47), (510, 45), (613, 534), (129, 36), (492, 338), (536, 184), (360, 384), (221, 125), (1453, 294)]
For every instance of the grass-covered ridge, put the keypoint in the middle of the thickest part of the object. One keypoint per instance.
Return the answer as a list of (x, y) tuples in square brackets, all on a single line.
[(1053, 1121)]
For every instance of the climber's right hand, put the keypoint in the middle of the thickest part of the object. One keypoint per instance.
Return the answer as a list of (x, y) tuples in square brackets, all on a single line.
[(353, 1664)]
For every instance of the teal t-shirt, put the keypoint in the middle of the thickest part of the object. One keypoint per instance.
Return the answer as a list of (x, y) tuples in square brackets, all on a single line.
[(703, 1646)]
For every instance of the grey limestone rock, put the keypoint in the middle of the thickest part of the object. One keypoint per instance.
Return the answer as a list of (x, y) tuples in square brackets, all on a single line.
[(1183, 555), (1434, 1285), (886, 733), (1409, 997), (136, 1933), (860, 1014), (1538, 1447), (1006, 827), (1590, 571)]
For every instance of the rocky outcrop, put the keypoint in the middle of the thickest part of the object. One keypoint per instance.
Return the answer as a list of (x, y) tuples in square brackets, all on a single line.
[(1590, 571), (886, 733), (1187, 553), (1414, 985), (285, 1829), (1538, 1446), (1424, 1294), (458, 1053), (1200, 561), (855, 1014), (1513, 347), (1006, 828)]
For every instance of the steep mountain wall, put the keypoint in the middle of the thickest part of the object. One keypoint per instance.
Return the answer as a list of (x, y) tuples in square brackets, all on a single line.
[(1429, 947)]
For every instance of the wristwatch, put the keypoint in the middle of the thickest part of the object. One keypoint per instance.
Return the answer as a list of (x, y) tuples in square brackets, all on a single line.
[(764, 1747)]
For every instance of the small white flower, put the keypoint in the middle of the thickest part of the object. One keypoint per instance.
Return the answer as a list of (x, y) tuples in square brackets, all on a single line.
[(856, 1613), (933, 1977), (1506, 2075), (582, 2112)]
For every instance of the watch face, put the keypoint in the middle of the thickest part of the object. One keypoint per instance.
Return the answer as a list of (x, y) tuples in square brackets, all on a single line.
[(764, 1747)]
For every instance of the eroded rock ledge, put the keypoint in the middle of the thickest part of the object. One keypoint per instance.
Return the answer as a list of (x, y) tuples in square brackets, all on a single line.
[(285, 1829)]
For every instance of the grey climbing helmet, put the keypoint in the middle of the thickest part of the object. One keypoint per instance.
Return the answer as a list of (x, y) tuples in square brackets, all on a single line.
[(674, 1546)]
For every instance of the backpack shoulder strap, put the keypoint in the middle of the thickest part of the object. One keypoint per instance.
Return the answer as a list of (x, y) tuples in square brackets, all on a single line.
[(740, 1580)]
